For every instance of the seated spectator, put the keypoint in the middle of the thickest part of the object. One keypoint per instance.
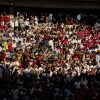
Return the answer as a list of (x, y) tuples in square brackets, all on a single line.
[(49, 56)]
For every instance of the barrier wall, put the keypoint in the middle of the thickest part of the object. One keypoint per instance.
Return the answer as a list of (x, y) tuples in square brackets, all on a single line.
[(78, 4)]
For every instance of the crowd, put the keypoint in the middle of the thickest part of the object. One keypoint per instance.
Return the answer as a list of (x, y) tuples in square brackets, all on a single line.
[(47, 56)]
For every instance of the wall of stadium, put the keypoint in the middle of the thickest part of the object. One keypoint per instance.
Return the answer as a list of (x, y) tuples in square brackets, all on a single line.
[(78, 4)]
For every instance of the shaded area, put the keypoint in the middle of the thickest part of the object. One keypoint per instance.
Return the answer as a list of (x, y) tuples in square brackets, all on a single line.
[(58, 87)]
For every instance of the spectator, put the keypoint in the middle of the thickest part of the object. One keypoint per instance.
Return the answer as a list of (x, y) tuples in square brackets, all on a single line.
[(49, 57)]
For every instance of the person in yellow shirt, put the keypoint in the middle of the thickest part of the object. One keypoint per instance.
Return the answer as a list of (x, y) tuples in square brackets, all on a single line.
[(19, 55), (5, 45)]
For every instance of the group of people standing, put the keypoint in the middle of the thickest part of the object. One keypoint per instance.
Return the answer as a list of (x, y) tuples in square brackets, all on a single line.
[(55, 56)]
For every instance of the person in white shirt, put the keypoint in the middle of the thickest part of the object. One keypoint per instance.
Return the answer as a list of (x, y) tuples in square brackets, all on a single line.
[(21, 22), (26, 23), (16, 39), (77, 68), (51, 43), (14, 45), (98, 59), (36, 20), (79, 17), (16, 23), (11, 34), (12, 23), (1, 48), (50, 17), (71, 51), (74, 41)]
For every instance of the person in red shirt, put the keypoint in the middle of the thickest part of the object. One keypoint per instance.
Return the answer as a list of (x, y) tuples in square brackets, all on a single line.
[(10, 45), (7, 18), (65, 40), (3, 56), (2, 18), (71, 21)]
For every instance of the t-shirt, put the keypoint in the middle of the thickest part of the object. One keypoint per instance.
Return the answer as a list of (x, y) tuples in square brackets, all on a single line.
[(26, 23), (79, 17), (7, 18), (14, 45), (97, 58), (12, 23), (16, 23)]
